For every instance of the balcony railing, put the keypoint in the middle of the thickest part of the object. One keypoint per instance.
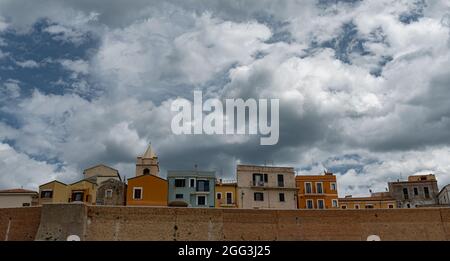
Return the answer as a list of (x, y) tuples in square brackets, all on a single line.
[(258, 183)]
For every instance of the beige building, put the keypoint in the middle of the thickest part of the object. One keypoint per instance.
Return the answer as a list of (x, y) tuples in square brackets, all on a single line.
[(14, 198), (264, 187), (101, 173), (444, 196), (378, 200), (417, 191), (147, 164)]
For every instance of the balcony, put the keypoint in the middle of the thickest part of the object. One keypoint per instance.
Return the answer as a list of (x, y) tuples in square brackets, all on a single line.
[(258, 183), (226, 203)]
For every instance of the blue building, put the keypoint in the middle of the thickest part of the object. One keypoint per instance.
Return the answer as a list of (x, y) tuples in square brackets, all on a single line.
[(196, 188)]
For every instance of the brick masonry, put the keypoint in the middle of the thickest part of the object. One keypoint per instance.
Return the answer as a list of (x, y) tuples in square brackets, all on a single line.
[(162, 223)]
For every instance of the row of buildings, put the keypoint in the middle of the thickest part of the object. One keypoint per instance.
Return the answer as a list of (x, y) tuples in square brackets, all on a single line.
[(256, 187)]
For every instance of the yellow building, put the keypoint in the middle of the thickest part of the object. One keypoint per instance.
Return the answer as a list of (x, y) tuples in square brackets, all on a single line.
[(147, 188), (317, 191), (226, 194), (54, 192), (380, 200), (83, 191)]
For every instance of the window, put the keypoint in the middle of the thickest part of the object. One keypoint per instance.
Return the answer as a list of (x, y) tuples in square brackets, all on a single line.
[(344, 207), (408, 205), (319, 188), (201, 200), (369, 206), (47, 194), (77, 196), (309, 204), (280, 179), (192, 183), (203, 185), (390, 206), (108, 193), (356, 206), (334, 203), (229, 197), (179, 196), (180, 183), (146, 172), (219, 195), (333, 186), (426, 192), (258, 179), (25, 204), (320, 204), (137, 193), (405, 193), (308, 188), (281, 196), (258, 196), (416, 192), (266, 178)]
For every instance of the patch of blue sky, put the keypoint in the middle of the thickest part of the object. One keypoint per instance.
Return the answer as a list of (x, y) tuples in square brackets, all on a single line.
[(415, 13), (33, 59)]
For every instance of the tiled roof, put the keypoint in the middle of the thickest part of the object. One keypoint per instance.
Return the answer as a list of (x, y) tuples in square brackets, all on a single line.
[(17, 191)]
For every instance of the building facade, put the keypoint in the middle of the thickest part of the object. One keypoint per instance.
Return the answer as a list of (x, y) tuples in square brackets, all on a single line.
[(54, 192), (83, 191), (317, 191), (147, 190), (419, 190), (111, 192), (15, 198), (226, 194), (380, 200), (100, 173), (264, 187), (147, 164), (193, 187), (444, 196)]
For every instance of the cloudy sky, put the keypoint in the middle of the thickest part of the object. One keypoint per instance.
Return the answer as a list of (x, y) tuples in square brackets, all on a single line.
[(364, 86)]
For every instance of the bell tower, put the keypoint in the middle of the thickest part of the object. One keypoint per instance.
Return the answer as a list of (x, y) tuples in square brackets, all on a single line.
[(147, 164)]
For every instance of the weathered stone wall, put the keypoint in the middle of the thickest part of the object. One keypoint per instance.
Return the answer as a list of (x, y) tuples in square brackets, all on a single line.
[(19, 223), (148, 223), (58, 221), (162, 223)]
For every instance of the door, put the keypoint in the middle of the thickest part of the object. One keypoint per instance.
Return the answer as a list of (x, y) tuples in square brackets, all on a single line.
[(229, 198)]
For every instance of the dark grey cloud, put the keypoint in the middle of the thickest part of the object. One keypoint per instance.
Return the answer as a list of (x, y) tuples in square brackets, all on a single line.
[(363, 86)]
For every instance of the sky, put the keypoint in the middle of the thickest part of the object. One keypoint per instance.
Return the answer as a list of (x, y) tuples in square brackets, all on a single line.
[(364, 86)]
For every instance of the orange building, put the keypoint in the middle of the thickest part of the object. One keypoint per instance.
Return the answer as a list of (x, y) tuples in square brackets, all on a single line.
[(317, 191), (148, 190)]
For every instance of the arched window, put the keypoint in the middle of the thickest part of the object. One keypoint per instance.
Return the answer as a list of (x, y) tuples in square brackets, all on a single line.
[(146, 171)]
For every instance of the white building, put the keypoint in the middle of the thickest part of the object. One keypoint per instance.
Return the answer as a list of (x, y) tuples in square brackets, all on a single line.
[(14, 198), (444, 196)]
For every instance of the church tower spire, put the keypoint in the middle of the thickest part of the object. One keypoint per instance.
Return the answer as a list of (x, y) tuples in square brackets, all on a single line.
[(147, 164)]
